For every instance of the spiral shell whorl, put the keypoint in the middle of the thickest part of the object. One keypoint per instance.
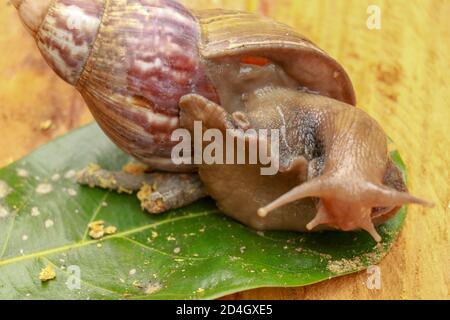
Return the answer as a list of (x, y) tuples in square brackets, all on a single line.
[(145, 58), (67, 34), (64, 30), (132, 60)]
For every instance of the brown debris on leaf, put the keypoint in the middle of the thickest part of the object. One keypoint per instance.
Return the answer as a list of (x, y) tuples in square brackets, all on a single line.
[(343, 266), (47, 274), (152, 287), (97, 229), (110, 230)]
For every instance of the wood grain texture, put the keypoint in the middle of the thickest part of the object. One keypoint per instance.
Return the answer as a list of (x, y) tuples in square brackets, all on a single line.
[(401, 77)]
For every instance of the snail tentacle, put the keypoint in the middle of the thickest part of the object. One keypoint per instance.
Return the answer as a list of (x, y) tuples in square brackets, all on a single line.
[(355, 165)]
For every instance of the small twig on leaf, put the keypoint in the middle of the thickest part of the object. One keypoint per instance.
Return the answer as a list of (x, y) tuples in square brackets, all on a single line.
[(158, 192)]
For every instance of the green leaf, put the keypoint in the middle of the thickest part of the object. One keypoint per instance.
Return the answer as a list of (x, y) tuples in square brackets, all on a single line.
[(194, 252)]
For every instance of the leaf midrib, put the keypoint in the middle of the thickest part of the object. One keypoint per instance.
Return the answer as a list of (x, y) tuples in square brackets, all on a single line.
[(84, 243)]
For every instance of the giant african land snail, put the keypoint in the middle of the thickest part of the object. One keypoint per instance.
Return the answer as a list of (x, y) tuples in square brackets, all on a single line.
[(137, 63)]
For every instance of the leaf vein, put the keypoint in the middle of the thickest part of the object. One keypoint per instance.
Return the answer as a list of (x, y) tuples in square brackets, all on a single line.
[(94, 215), (159, 251), (10, 231), (81, 244)]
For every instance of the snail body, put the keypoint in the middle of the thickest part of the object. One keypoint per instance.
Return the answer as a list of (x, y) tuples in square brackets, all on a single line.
[(141, 64)]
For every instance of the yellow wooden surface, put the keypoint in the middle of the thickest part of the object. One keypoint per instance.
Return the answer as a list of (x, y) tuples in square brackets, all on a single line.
[(401, 76)]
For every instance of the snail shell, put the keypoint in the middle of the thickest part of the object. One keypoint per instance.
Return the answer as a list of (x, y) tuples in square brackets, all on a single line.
[(133, 60)]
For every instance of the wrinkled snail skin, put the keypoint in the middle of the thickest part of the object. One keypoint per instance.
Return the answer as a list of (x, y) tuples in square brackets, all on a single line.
[(349, 182), (332, 152), (148, 67)]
